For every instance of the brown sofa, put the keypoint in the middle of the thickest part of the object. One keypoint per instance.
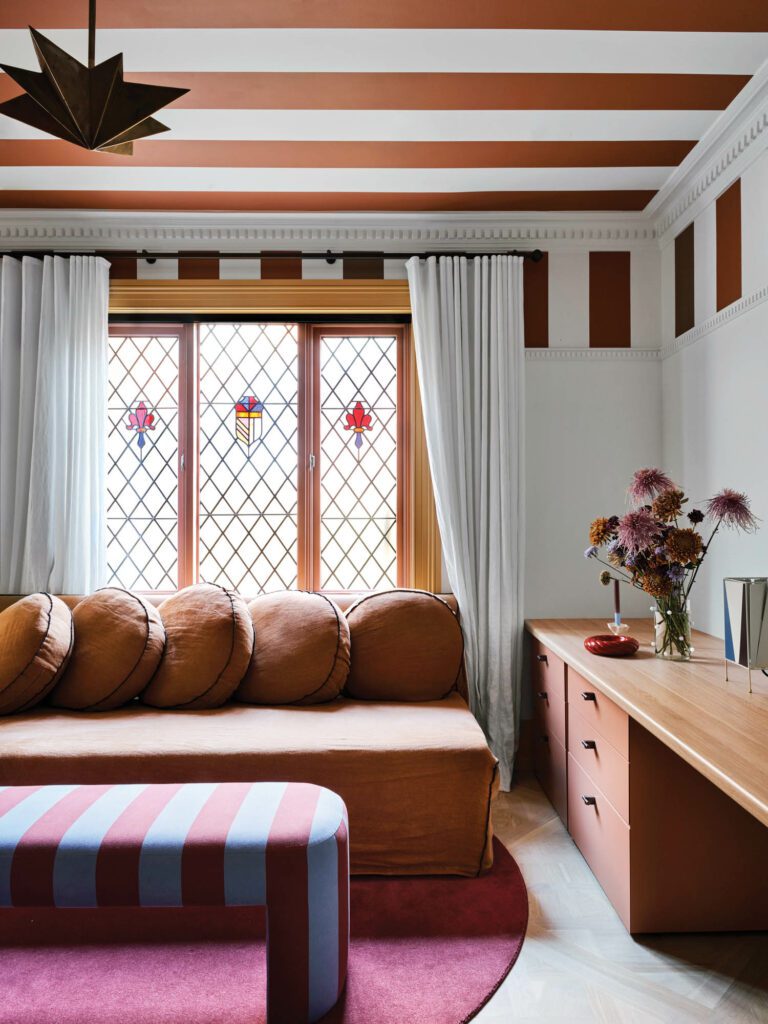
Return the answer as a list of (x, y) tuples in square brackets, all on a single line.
[(417, 777)]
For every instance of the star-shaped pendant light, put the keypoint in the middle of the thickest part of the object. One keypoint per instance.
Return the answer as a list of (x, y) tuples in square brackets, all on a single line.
[(91, 106)]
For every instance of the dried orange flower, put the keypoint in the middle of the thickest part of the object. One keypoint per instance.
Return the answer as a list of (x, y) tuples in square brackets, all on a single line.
[(668, 506), (683, 545), (657, 583), (600, 531)]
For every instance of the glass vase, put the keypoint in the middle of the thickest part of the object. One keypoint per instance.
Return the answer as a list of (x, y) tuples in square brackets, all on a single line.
[(672, 627)]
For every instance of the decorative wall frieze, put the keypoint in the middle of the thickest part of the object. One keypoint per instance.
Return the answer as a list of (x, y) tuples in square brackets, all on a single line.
[(35, 229), (736, 138), (569, 355), (724, 316)]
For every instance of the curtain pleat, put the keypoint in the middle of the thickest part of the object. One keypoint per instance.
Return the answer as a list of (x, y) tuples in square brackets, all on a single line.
[(53, 423), (468, 331)]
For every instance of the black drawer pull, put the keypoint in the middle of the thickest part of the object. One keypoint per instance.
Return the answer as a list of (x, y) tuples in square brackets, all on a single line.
[(589, 744), (542, 694), (588, 695), (543, 658), (590, 801)]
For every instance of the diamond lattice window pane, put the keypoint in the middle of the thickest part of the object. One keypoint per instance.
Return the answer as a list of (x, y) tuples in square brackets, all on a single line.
[(248, 455), (142, 460), (358, 444)]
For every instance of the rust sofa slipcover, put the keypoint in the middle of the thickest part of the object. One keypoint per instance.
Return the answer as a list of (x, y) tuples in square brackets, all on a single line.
[(417, 777)]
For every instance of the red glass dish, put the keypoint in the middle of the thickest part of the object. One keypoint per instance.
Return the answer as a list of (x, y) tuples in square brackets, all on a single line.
[(609, 646)]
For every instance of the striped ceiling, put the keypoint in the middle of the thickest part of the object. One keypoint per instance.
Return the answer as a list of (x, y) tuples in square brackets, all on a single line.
[(438, 105)]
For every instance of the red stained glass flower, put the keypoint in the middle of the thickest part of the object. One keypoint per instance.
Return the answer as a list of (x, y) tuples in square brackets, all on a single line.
[(358, 421), (141, 421)]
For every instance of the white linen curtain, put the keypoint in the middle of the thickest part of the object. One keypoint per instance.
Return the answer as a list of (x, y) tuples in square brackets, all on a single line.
[(53, 423), (468, 330)]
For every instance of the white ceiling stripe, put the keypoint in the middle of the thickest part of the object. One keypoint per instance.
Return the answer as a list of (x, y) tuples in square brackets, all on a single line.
[(446, 50), (419, 125), (312, 179)]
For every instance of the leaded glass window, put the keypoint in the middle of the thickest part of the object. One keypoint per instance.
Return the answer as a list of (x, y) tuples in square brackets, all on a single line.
[(259, 456), (142, 461), (358, 444)]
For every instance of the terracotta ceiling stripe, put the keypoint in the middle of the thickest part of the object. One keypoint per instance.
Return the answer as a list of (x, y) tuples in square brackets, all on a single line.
[(609, 300), (53, 153), (414, 91), (620, 200), (646, 15)]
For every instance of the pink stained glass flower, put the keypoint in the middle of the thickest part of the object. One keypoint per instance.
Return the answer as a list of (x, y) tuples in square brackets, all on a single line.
[(637, 531), (141, 421), (731, 508), (648, 483)]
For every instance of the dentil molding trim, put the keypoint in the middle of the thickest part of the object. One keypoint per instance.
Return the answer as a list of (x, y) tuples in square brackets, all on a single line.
[(732, 312), (568, 355), (733, 141), (63, 229)]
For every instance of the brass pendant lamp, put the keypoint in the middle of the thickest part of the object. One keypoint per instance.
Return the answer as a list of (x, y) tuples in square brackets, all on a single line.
[(91, 106)]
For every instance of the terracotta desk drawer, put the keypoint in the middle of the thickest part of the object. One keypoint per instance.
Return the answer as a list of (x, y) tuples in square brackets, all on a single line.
[(599, 759), (599, 711), (549, 760), (601, 835), (549, 712), (547, 671)]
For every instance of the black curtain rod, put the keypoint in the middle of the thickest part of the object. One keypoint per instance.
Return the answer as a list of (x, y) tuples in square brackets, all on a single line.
[(328, 256)]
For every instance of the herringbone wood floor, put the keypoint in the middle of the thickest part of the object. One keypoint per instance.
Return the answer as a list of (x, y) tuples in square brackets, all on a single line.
[(578, 964)]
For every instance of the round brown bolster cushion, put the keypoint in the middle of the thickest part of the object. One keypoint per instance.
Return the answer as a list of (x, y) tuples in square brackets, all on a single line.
[(208, 647), (119, 641), (36, 638), (406, 645), (301, 654)]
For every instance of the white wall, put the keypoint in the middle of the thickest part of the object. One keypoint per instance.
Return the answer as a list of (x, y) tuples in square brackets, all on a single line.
[(590, 423), (715, 393)]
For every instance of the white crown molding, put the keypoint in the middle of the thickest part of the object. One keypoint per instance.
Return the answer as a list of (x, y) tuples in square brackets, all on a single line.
[(570, 355), (65, 229), (732, 312), (734, 140)]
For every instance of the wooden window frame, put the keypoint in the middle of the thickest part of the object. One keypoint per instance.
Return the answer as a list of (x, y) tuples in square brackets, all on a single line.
[(309, 337)]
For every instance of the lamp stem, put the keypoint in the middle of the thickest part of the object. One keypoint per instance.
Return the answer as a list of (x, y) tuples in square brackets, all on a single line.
[(91, 33)]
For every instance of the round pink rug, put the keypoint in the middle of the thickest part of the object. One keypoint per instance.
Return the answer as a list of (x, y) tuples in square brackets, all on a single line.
[(424, 950)]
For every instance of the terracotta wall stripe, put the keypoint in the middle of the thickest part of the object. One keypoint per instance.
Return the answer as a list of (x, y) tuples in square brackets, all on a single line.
[(536, 302), (614, 199), (441, 91), (643, 15), (198, 268), (281, 269), (609, 300), (370, 267), (684, 310), (728, 228), (249, 153), (123, 268)]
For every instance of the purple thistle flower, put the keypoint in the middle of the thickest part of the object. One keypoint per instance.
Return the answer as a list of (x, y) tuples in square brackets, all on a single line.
[(591, 551), (731, 508), (676, 573), (660, 551), (637, 531), (647, 483)]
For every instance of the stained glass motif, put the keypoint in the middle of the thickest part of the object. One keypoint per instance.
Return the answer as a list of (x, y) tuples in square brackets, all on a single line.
[(142, 479), (248, 420), (248, 491), (358, 421), (141, 421), (358, 496)]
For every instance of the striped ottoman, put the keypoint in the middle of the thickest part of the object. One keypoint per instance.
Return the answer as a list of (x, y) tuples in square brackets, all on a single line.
[(278, 845)]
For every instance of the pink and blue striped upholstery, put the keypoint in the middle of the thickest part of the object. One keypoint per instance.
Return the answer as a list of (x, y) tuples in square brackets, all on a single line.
[(279, 845)]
